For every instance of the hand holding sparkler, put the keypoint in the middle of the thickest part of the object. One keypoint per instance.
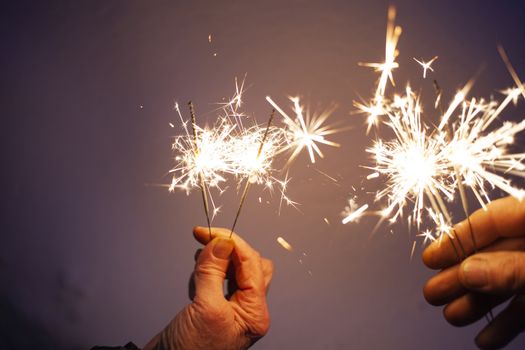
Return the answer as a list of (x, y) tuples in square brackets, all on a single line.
[(486, 279), (213, 321)]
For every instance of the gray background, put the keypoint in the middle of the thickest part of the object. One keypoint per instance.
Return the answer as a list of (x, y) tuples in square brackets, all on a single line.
[(91, 252)]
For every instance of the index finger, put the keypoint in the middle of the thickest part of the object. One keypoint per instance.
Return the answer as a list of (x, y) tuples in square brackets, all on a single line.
[(504, 217)]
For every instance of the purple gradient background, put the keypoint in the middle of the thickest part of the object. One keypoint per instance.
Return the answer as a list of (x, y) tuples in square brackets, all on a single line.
[(91, 254)]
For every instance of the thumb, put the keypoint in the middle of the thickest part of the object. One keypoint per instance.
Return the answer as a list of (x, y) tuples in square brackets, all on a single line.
[(495, 272), (210, 269)]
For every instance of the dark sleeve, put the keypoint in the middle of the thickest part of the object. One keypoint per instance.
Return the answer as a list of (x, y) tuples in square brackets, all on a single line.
[(128, 346)]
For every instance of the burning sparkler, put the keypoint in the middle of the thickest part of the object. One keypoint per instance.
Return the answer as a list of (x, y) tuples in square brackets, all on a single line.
[(424, 166), (416, 170), (201, 160), (207, 156), (254, 165)]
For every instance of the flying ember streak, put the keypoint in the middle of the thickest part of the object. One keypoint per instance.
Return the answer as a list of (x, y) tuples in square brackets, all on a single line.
[(375, 108), (284, 243), (393, 33), (355, 214), (305, 132)]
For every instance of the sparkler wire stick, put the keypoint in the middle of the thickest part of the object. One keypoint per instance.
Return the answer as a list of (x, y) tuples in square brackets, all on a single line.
[(438, 92), (247, 186), (203, 186)]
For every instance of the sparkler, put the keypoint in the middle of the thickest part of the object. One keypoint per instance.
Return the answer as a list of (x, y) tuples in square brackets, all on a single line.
[(412, 163), (207, 156), (201, 179), (426, 166), (463, 152), (201, 160)]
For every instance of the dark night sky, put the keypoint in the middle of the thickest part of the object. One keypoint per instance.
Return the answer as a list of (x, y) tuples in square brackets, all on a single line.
[(92, 253)]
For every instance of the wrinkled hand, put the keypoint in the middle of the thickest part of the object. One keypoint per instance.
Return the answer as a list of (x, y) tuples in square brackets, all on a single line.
[(213, 320), (484, 280)]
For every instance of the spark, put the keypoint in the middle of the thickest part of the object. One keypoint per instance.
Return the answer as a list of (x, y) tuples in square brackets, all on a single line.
[(215, 212), (427, 235), (426, 65), (372, 176), (512, 93), (458, 99), (283, 184), (326, 220), (483, 159), (284, 244), (511, 70), (305, 132), (373, 110), (413, 249), (355, 214), (326, 175), (376, 107)]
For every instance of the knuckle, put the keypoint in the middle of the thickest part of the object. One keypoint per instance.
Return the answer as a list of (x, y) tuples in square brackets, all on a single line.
[(262, 326), (513, 275), (204, 269)]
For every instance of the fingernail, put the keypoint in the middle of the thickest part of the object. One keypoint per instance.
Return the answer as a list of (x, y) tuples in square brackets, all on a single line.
[(223, 248), (475, 272)]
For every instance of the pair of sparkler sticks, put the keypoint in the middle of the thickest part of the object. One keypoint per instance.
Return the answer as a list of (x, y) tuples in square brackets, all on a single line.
[(202, 183), (489, 317)]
